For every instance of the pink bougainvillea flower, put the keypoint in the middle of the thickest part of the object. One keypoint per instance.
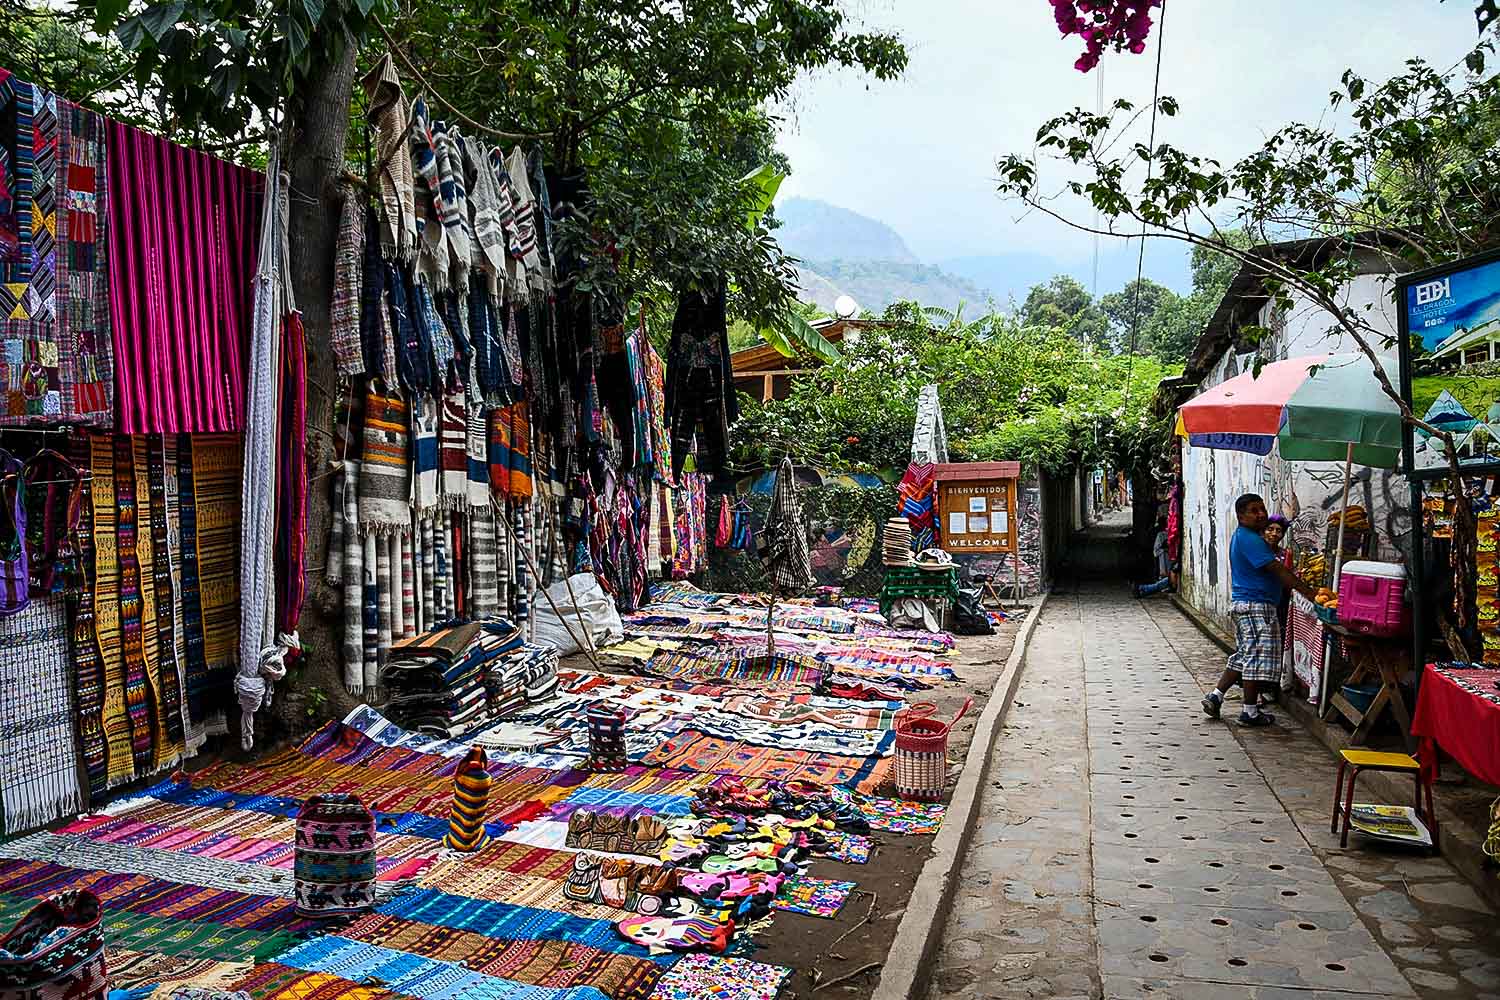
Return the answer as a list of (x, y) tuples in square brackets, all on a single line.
[(1122, 25)]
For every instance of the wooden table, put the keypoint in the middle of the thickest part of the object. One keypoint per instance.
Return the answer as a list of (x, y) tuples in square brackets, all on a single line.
[(1373, 659)]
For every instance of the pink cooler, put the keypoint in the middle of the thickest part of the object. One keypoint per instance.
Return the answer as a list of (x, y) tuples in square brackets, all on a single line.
[(1372, 597)]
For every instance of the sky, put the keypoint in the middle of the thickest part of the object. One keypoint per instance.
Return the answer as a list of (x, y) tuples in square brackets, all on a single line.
[(919, 153)]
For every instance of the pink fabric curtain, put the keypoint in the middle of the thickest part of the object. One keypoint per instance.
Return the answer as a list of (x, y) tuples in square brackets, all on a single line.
[(183, 234)]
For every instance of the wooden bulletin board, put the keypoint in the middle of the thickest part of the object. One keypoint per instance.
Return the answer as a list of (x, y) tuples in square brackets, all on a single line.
[(984, 508)]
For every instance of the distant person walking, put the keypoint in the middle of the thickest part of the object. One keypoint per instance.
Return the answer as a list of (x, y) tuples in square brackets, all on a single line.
[(1257, 578)]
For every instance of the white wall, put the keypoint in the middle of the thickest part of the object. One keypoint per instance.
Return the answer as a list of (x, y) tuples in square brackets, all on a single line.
[(1303, 491)]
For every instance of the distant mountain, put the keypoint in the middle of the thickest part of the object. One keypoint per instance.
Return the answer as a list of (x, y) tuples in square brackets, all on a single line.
[(816, 230), (845, 253)]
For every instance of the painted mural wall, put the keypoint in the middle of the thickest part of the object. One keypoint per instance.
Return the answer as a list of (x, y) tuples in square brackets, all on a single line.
[(1306, 492)]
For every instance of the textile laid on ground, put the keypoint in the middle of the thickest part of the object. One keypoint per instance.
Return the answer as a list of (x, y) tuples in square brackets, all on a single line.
[(182, 248), (55, 333), (815, 896), (452, 680)]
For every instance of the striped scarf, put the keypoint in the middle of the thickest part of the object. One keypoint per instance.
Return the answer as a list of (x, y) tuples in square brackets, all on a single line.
[(390, 114), (788, 556)]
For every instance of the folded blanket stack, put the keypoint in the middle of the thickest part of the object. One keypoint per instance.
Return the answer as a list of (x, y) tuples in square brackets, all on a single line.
[(456, 678)]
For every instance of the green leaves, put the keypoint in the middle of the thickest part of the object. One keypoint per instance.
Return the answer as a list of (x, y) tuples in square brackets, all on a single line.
[(792, 336)]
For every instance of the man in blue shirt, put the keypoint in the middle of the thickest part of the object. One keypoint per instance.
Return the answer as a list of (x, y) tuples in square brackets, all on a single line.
[(1256, 579)]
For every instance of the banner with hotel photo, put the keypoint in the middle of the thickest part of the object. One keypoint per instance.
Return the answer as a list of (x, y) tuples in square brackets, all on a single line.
[(1450, 362)]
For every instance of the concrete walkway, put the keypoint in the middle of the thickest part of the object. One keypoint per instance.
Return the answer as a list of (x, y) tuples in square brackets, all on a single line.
[(1130, 847)]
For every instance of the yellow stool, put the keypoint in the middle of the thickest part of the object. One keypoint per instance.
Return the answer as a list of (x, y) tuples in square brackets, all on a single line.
[(1373, 760)]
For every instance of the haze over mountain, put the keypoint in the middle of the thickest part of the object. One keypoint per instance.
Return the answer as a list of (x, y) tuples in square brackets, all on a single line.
[(844, 252)]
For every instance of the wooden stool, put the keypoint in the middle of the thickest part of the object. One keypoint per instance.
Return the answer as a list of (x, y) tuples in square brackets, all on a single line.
[(1374, 760)]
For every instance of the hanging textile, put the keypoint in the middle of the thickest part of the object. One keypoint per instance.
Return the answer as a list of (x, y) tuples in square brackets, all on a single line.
[(195, 730), (385, 470), (38, 764), (377, 331), (214, 472), (352, 647), (929, 439), (183, 247), (700, 401), (54, 336), (424, 453), (390, 113), (258, 479), (88, 662), (115, 719), (453, 451), (172, 735), (476, 466), (164, 752), (917, 492), (348, 276), (788, 558), (291, 479), (53, 498)]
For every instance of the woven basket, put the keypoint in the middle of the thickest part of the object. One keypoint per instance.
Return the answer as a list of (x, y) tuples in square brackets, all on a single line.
[(922, 751), (334, 860), (607, 740)]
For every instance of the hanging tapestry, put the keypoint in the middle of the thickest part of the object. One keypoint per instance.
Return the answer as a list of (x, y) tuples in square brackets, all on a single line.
[(424, 453), (54, 338), (170, 715), (184, 234), (88, 663), (385, 472), (107, 612), (138, 705), (194, 729), (38, 765), (209, 467), (453, 453)]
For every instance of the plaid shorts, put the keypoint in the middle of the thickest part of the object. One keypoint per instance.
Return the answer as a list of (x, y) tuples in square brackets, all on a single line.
[(1257, 640)]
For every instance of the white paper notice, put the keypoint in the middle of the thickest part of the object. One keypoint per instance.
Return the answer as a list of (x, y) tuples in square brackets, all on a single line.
[(977, 524), (958, 523), (976, 505), (1000, 522)]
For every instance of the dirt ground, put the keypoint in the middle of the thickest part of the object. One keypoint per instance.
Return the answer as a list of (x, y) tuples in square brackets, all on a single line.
[(824, 952)]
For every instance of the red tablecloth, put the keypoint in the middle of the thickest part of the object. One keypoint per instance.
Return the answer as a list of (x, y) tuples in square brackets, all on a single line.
[(1460, 710)]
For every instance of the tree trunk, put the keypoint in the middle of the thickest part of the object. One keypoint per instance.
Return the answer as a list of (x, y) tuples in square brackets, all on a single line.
[(315, 142)]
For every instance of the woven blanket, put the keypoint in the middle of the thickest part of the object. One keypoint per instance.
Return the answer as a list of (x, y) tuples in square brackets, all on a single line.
[(916, 491), (554, 964), (212, 478), (170, 737), (130, 969), (369, 604), (55, 335), (148, 896), (476, 462), (424, 439), (693, 750), (120, 766), (453, 453), (38, 765), (382, 598), (385, 468), (162, 751), (88, 660), (194, 730)]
